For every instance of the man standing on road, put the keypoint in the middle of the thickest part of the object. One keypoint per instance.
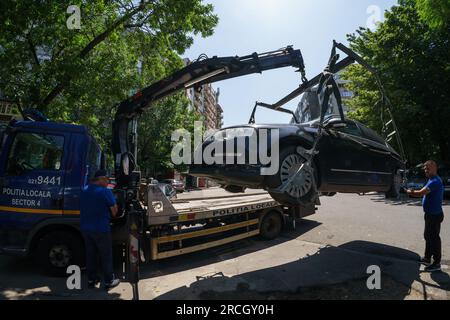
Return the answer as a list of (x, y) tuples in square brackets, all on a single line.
[(98, 205), (433, 196)]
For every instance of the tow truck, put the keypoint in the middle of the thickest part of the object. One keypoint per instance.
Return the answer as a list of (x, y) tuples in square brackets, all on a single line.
[(44, 166)]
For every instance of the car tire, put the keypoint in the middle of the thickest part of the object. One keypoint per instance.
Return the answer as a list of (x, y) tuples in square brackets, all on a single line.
[(394, 191), (234, 189), (271, 225), (289, 161), (57, 250)]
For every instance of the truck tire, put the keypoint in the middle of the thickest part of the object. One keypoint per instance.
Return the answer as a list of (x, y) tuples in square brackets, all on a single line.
[(396, 182), (271, 225), (57, 250)]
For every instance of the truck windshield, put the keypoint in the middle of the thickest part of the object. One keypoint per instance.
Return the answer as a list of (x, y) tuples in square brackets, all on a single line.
[(31, 151)]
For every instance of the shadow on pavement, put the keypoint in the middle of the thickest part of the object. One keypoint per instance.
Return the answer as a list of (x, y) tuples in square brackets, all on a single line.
[(20, 279), (19, 276), (221, 253), (331, 273)]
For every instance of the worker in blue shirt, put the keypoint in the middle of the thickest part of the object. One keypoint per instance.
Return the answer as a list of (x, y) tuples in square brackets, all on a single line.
[(98, 206), (433, 196)]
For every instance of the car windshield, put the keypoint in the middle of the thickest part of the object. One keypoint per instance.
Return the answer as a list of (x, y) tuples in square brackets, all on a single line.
[(308, 110)]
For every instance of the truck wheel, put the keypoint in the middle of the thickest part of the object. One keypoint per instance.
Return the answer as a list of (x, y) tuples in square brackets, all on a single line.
[(300, 191), (396, 184), (271, 225), (57, 250)]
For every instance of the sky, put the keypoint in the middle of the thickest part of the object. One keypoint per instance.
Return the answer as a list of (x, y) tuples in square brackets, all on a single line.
[(247, 26)]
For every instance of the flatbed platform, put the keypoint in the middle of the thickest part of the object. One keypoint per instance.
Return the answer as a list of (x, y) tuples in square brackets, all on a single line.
[(193, 224), (213, 207)]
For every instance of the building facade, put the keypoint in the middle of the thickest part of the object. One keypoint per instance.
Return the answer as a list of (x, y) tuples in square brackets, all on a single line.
[(7, 112), (205, 101)]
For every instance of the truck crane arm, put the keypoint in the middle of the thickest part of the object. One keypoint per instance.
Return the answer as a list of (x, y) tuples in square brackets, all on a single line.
[(200, 72)]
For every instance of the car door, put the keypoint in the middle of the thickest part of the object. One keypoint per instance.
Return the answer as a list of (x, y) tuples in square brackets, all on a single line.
[(343, 155), (379, 158)]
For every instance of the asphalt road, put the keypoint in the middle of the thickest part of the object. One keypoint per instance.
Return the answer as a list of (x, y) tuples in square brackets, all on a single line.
[(373, 218), (326, 257)]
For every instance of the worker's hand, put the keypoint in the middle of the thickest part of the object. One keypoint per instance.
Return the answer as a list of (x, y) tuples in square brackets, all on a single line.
[(114, 211), (409, 192)]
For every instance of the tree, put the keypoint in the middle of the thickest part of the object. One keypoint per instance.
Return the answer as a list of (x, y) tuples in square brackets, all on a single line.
[(154, 142), (79, 76), (413, 61), (434, 12)]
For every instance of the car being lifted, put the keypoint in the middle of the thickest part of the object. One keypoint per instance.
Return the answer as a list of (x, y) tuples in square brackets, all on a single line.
[(327, 155), (351, 158)]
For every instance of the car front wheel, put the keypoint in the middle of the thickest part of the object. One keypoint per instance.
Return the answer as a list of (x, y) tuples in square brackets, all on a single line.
[(300, 190)]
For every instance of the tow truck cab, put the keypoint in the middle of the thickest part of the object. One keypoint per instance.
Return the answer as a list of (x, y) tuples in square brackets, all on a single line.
[(43, 168)]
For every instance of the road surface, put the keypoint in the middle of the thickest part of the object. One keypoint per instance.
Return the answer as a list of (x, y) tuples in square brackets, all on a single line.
[(326, 257)]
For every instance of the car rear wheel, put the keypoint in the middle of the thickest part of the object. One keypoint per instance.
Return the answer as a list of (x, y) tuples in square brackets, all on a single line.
[(299, 191), (396, 184), (58, 250)]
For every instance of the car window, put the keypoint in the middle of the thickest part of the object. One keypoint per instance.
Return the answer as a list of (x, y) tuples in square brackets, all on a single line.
[(351, 128), (33, 151)]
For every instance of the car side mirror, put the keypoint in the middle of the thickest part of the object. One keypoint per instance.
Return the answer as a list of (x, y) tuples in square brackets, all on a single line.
[(336, 125)]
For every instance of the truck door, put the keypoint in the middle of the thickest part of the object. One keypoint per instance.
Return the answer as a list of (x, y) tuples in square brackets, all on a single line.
[(33, 176), (81, 166)]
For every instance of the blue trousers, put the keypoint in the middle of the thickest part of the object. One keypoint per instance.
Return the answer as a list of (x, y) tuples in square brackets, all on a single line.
[(433, 247), (99, 256)]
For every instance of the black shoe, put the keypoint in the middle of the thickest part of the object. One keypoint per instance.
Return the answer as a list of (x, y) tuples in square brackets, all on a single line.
[(425, 261), (93, 284), (433, 268), (110, 285)]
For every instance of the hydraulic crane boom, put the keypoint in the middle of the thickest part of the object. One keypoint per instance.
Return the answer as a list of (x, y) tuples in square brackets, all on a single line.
[(198, 73), (124, 143)]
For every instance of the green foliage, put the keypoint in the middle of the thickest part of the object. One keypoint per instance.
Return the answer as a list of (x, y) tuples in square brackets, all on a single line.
[(78, 76), (434, 12), (154, 142), (414, 65)]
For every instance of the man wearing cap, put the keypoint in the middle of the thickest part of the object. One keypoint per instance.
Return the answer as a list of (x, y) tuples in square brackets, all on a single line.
[(433, 195), (98, 206)]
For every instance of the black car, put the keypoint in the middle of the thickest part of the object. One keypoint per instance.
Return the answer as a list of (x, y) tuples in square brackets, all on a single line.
[(444, 172), (351, 158)]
